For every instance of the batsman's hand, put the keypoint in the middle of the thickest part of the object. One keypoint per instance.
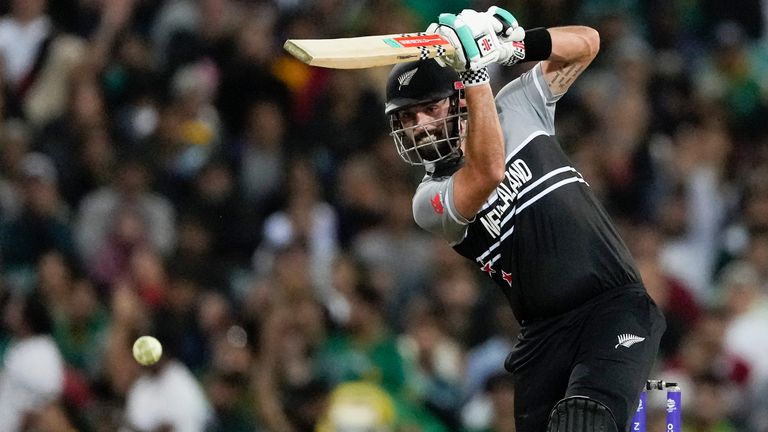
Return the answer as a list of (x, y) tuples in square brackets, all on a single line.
[(474, 38), (508, 31), (505, 24)]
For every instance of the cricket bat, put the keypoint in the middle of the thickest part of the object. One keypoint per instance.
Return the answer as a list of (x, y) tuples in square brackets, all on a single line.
[(369, 51)]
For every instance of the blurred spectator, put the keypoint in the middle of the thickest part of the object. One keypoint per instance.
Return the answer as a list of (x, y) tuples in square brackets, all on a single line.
[(187, 133), (130, 189), (382, 247), (148, 278), (708, 407), (42, 224), (358, 406), (307, 220), (147, 390), (464, 308), (26, 19), (226, 392), (352, 118), (196, 258), (692, 213), (81, 330), (55, 276), (134, 90), (704, 352), (38, 61), (93, 168), (495, 411), (14, 145), (292, 330), (260, 153), (748, 14), (247, 75), (681, 309), (174, 17), (216, 201), (147, 406), (628, 14), (487, 358), (347, 274), (358, 191), (178, 321), (52, 418), (731, 77), (751, 215), (362, 405), (434, 362), (66, 138), (744, 294), (127, 235), (364, 348), (33, 370), (193, 88), (184, 31), (130, 318)]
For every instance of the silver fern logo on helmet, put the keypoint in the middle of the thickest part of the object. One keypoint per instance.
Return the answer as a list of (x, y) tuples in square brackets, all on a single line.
[(405, 78)]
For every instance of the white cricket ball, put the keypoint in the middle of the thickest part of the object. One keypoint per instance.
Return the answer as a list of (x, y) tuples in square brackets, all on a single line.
[(147, 350)]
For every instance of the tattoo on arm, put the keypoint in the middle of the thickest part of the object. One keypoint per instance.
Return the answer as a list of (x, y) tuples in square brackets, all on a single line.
[(565, 76)]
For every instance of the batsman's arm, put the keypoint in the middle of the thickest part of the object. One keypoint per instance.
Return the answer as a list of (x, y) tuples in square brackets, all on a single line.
[(573, 49), (483, 167), (474, 37)]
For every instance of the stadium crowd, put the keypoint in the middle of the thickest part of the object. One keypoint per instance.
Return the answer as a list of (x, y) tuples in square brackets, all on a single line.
[(167, 169)]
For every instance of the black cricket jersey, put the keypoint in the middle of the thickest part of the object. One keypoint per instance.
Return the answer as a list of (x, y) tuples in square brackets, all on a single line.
[(542, 236)]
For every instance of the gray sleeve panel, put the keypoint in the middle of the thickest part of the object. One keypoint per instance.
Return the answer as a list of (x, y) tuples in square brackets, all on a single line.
[(525, 104), (434, 210)]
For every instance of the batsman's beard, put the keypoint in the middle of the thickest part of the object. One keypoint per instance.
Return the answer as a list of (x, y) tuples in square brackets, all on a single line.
[(431, 144)]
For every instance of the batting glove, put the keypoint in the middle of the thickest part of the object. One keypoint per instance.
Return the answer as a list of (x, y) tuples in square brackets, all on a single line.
[(506, 25), (509, 33), (473, 37)]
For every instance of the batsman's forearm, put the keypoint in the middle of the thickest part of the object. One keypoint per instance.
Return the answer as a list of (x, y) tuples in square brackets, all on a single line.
[(484, 147), (573, 49), (571, 44)]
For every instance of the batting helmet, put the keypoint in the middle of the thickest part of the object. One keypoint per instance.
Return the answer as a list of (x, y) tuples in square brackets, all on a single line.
[(417, 83)]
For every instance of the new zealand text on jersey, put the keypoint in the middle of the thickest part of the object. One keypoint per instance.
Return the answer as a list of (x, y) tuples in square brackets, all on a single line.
[(515, 177)]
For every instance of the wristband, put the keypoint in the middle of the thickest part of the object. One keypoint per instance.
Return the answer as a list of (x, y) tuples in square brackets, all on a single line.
[(538, 44), (472, 78)]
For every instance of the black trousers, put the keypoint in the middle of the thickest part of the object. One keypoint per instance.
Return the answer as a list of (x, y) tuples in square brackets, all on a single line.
[(605, 350)]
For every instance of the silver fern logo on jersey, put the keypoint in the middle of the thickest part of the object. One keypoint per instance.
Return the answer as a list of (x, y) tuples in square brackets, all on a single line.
[(627, 340), (406, 77)]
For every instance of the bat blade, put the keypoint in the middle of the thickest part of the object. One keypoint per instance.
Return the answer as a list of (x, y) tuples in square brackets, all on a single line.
[(368, 51)]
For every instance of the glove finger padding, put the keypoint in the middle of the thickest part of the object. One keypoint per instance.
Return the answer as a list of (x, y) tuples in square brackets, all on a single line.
[(510, 34), (506, 26), (476, 40)]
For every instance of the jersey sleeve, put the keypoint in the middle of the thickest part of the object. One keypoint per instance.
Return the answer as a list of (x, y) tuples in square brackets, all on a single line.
[(529, 96), (434, 210)]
